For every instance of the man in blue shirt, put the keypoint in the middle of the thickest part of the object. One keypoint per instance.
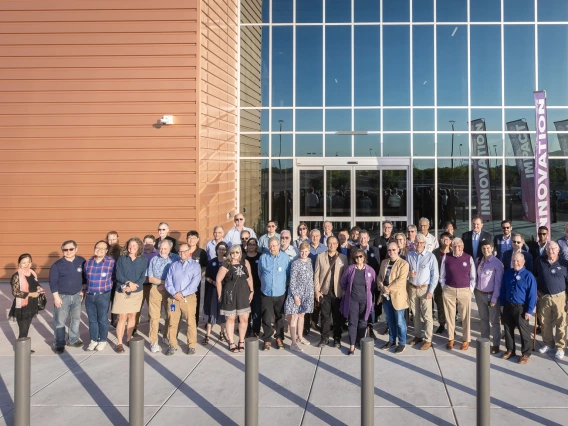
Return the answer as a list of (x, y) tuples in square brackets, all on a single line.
[(518, 300), (270, 232), (66, 281), (182, 282), (273, 270)]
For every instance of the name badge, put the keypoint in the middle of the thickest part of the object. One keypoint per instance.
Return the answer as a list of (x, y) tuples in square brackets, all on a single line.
[(279, 269), (372, 254), (79, 269), (103, 274), (256, 260), (369, 274), (465, 264), (518, 277), (487, 272), (553, 271), (339, 262), (214, 264), (423, 266)]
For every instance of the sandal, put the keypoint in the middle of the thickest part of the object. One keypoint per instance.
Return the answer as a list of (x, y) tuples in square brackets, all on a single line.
[(233, 348), (222, 337), (241, 348), (205, 340)]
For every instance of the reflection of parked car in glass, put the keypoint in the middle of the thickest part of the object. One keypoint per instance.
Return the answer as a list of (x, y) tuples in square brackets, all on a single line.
[(562, 196)]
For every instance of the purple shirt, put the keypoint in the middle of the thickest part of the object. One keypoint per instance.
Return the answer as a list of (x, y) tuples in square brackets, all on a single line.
[(489, 277)]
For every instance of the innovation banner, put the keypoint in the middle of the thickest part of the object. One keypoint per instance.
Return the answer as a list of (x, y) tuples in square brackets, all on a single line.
[(542, 189), (562, 126), (481, 174), (521, 143)]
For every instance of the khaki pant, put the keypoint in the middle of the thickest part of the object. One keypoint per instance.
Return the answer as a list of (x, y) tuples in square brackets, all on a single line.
[(188, 310), (551, 314), (156, 302), (422, 309), (145, 298), (489, 317), (460, 297)]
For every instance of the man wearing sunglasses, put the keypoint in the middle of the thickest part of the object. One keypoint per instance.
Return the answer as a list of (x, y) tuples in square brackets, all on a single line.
[(270, 233), (504, 241), (538, 248), (233, 235), (518, 243), (67, 283), (163, 234)]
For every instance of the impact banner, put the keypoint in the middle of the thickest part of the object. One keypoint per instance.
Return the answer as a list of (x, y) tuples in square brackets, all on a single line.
[(562, 126), (481, 174), (521, 143), (542, 188)]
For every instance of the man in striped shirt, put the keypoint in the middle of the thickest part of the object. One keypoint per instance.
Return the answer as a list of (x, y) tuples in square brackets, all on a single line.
[(98, 272)]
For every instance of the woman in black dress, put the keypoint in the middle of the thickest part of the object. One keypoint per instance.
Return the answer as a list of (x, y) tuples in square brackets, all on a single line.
[(235, 288), (253, 256), (211, 305), (26, 290)]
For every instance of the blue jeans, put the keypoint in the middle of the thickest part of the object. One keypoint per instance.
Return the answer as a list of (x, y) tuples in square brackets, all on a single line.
[(71, 307), (396, 322), (97, 311)]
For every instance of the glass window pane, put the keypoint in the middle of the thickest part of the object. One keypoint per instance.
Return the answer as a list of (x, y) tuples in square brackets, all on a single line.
[(367, 184), (423, 10), (519, 144), (309, 11), (282, 184), (487, 193), (368, 145), (309, 120), (396, 145), (423, 179), (519, 69), (252, 13), (553, 62), (254, 145), (491, 144), (337, 145), (516, 207), (282, 145), (338, 191), (367, 11), (552, 10), (396, 65), (558, 143), (424, 144), (337, 120), (485, 11), (395, 197), (367, 120), (452, 65), (282, 120), (492, 117), (396, 119), (309, 66), (282, 66), (396, 10), (519, 10), (337, 66), (451, 10), (423, 65), (367, 65), (254, 66), (253, 176), (311, 193), (453, 176), (458, 116), (558, 196), (423, 119), (282, 11), (459, 147), (558, 116), (485, 63), (337, 10), (309, 145), (525, 114), (254, 120)]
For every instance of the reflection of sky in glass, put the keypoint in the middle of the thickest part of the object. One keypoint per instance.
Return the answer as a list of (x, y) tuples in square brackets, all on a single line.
[(281, 11), (337, 120), (423, 119), (396, 11), (519, 10), (282, 114), (337, 11), (368, 145), (367, 119), (396, 65), (309, 120), (452, 65), (424, 144), (458, 115), (367, 11), (519, 68), (485, 10), (282, 66), (396, 145), (337, 146), (423, 10), (309, 145), (308, 11), (461, 144), (451, 10), (367, 77), (396, 119), (337, 67), (493, 118), (423, 65), (309, 66), (552, 10), (282, 145), (553, 62), (485, 65)]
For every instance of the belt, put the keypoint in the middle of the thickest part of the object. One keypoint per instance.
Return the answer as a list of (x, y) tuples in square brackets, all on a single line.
[(515, 304), (484, 292), (420, 286), (98, 292), (553, 295)]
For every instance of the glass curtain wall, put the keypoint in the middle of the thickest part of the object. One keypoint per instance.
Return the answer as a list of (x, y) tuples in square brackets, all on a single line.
[(448, 83)]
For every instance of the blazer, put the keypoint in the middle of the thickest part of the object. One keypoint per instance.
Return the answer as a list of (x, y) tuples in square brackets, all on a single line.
[(322, 266), (497, 239), (373, 257), (508, 255), (382, 243), (535, 251), (468, 243), (396, 282)]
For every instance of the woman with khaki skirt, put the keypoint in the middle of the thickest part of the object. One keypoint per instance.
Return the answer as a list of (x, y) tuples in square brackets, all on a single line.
[(130, 276)]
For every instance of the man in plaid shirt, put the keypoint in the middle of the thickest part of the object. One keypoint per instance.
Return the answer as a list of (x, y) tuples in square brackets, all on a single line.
[(98, 272)]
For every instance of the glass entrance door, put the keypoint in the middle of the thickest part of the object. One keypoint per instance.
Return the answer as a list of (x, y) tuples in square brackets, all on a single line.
[(347, 195)]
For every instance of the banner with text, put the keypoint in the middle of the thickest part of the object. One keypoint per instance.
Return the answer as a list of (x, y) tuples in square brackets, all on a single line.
[(542, 188), (481, 172), (521, 143), (562, 126)]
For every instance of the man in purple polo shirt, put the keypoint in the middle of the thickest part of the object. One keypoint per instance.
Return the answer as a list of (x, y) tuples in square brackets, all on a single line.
[(457, 277)]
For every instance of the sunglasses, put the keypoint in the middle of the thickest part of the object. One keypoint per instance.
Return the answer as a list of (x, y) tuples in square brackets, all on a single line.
[(238, 219), (359, 257), (517, 242), (162, 229), (505, 227), (68, 249)]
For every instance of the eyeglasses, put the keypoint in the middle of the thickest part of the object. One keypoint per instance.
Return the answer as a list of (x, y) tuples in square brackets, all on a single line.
[(244, 239), (359, 257), (284, 238), (183, 251), (238, 219), (98, 248), (517, 242), (68, 249), (303, 229), (505, 227), (271, 226), (162, 229)]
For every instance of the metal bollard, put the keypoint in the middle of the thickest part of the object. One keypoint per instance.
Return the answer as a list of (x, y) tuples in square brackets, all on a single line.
[(22, 384), (367, 381), (483, 367), (136, 397), (251, 381)]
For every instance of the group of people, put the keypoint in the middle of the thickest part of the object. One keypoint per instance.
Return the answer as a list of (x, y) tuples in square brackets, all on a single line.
[(320, 279)]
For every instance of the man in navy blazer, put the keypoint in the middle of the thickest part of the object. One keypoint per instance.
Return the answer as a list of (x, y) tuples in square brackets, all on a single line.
[(472, 239), (518, 243)]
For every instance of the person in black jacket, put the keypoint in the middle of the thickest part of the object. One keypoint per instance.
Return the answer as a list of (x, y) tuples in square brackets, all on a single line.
[(518, 243), (472, 239), (382, 241), (538, 248)]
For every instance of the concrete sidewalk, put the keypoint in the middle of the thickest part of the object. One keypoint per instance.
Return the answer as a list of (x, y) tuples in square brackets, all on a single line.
[(318, 387)]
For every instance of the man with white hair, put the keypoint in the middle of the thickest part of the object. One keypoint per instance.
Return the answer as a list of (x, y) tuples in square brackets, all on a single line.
[(163, 234), (286, 246), (518, 244), (218, 234), (233, 235), (327, 232), (431, 241)]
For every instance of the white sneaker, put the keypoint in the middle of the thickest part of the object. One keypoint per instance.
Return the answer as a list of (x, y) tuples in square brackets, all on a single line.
[(101, 346), (165, 341), (544, 349), (559, 354), (92, 345), (296, 348), (155, 348), (303, 341)]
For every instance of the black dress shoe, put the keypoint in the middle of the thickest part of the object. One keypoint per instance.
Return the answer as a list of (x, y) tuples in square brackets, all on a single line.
[(77, 344), (59, 350), (441, 329), (322, 343), (351, 352), (337, 343), (387, 346)]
